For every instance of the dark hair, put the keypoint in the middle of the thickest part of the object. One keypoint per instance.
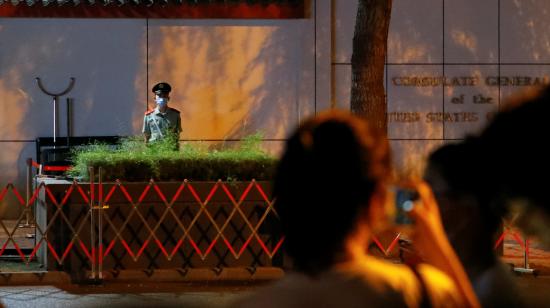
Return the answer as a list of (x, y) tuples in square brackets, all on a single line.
[(462, 167), (327, 174), (515, 155)]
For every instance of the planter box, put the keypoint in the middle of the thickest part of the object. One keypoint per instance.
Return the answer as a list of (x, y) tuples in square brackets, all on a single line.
[(148, 226)]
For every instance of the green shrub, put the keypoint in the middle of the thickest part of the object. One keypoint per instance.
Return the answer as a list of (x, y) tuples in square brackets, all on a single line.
[(133, 160)]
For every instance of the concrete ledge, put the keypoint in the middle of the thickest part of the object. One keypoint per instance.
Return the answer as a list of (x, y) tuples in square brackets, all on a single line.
[(199, 275), (196, 275), (42, 278)]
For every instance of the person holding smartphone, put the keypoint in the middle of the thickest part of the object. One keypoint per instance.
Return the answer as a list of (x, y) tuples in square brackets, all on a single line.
[(332, 194), (471, 220)]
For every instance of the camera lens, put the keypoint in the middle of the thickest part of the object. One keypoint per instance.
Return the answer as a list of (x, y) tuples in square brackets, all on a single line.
[(408, 205)]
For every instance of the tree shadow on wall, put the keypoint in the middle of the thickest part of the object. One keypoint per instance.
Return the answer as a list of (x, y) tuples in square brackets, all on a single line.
[(415, 33), (524, 31), (287, 92), (232, 80)]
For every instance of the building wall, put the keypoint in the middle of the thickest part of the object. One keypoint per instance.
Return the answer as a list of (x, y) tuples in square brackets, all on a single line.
[(234, 77), (468, 42), (230, 78)]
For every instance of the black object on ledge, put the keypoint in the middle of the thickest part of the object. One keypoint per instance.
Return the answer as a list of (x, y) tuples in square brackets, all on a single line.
[(58, 154)]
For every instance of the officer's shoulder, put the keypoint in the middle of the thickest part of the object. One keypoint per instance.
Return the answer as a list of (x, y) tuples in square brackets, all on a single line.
[(174, 110), (148, 112)]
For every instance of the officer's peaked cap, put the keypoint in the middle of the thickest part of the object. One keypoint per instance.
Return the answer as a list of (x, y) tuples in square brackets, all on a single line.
[(162, 87)]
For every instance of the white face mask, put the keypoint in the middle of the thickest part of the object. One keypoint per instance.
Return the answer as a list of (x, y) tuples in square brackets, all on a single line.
[(161, 101)]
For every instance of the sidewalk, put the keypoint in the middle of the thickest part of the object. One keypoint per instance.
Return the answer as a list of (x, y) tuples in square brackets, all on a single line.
[(161, 295), (122, 295)]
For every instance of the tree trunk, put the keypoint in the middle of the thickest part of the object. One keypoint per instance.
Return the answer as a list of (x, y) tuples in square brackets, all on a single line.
[(368, 98)]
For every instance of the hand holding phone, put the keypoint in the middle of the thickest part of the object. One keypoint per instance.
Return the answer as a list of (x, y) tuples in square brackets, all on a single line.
[(404, 199)]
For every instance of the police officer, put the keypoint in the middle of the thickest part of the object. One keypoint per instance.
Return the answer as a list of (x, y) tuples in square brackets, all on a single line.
[(161, 121)]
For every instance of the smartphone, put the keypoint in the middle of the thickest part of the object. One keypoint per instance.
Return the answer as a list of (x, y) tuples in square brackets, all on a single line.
[(404, 203)]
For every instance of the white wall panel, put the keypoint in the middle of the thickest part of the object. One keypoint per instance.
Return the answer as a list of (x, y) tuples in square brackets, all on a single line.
[(471, 31), (524, 31), (345, 12), (107, 58), (416, 32)]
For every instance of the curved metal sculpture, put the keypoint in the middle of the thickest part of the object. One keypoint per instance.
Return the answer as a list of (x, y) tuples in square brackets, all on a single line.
[(55, 98)]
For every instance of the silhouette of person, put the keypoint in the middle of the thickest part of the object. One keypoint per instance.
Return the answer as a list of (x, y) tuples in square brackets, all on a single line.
[(516, 161), (471, 220), (331, 195)]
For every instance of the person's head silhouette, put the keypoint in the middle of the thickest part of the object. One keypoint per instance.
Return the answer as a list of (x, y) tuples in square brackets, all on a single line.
[(331, 168), (517, 160)]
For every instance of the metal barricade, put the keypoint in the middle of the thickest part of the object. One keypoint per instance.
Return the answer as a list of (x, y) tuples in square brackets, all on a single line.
[(101, 227), (96, 227)]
